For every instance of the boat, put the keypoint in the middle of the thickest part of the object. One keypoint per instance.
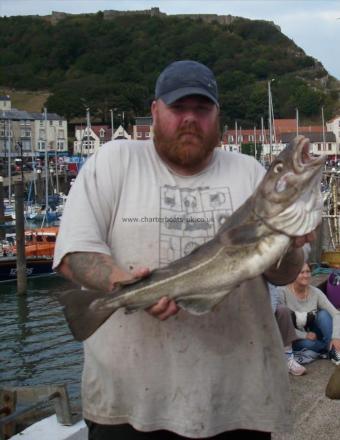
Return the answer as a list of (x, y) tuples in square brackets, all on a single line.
[(39, 250)]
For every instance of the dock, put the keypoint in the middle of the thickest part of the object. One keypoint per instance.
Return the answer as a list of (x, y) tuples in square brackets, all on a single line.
[(315, 416)]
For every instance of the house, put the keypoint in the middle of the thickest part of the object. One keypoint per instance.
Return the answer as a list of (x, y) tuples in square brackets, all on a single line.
[(142, 130), (322, 142), (90, 139), (5, 102), (30, 133), (334, 126)]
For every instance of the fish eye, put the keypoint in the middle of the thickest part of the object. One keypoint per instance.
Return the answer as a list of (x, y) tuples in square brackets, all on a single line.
[(278, 168)]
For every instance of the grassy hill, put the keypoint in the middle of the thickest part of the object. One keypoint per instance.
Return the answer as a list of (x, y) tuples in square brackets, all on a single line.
[(31, 101), (89, 61)]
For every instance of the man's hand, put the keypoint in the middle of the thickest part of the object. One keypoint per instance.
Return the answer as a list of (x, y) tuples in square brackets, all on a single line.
[(300, 241), (165, 307)]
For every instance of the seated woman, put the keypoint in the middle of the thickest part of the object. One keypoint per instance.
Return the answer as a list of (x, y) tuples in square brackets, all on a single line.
[(316, 319), (287, 330)]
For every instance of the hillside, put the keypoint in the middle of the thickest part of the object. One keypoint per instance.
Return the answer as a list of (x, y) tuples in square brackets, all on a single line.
[(32, 101), (89, 60)]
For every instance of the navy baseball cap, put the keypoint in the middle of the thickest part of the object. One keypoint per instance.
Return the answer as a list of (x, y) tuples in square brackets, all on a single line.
[(184, 78)]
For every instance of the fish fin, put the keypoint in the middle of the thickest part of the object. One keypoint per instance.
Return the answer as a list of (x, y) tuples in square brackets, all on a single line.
[(200, 304), (81, 318)]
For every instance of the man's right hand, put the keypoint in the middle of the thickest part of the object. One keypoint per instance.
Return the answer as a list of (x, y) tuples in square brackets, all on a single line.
[(163, 309)]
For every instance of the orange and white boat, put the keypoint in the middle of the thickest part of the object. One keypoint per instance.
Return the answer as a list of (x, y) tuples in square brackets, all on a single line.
[(39, 249)]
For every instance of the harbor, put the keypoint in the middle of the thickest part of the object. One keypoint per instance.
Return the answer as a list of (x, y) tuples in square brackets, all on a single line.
[(174, 181)]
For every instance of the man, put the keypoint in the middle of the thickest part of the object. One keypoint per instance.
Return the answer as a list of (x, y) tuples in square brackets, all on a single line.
[(139, 205)]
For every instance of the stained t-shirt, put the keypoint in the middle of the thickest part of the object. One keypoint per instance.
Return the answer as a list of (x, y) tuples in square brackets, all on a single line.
[(194, 375)]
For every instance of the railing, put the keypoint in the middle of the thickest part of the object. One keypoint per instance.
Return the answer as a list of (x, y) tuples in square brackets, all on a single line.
[(32, 398)]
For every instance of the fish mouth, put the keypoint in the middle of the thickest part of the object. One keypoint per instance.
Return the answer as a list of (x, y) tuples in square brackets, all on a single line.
[(303, 166), (302, 158)]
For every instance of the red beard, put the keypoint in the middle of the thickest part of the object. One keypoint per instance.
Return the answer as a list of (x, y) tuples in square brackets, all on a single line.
[(188, 146)]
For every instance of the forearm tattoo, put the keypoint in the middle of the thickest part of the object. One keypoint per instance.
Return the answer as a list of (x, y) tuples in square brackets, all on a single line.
[(92, 270)]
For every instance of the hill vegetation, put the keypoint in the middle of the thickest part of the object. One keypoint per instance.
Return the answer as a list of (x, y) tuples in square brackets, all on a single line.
[(87, 61)]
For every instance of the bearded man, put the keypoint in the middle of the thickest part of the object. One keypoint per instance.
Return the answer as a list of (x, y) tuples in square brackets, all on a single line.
[(138, 205)]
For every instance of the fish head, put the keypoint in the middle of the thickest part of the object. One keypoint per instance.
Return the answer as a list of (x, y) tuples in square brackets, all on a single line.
[(289, 199)]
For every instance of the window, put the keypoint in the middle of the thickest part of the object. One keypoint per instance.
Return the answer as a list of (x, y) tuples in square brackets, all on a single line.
[(41, 145), (51, 123), (60, 123), (261, 138), (61, 134), (230, 138), (101, 132), (42, 134), (319, 147), (24, 132), (26, 144), (240, 138), (329, 147), (251, 138)]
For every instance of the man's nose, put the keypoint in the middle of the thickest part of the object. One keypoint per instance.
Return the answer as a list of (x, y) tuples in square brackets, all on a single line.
[(189, 115)]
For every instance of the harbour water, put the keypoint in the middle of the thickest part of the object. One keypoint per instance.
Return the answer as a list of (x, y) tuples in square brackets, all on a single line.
[(36, 346)]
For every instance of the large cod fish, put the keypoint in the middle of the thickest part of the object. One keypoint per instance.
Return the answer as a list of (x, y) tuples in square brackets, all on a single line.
[(287, 203)]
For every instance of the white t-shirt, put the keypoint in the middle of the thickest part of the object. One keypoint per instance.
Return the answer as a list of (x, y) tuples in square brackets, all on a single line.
[(195, 375)]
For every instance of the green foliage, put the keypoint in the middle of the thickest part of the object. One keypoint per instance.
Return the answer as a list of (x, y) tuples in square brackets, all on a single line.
[(87, 60)]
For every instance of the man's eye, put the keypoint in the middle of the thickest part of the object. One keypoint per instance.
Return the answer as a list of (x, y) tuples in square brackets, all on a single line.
[(203, 109)]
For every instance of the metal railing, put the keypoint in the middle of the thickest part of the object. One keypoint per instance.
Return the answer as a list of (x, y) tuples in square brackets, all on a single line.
[(32, 398)]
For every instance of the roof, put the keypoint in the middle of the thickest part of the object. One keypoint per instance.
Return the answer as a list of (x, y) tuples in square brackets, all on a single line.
[(312, 136), (49, 116), (20, 115), (143, 120), (16, 115), (285, 125)]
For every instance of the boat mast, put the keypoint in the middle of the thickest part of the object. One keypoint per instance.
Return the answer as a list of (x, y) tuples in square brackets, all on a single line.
[(270, 124), (46, 168), (236, 140), (9, 140), (111, 111), (323, 130)]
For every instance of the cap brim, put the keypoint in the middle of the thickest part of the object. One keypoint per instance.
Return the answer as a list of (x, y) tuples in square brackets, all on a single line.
[(171, 97)]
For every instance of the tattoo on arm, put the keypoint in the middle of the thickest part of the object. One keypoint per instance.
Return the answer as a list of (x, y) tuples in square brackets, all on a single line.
[(92, 270)]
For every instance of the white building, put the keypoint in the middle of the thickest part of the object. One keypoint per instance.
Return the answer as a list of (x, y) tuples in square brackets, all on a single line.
[(334, 126), (30, 131), (89, 139)]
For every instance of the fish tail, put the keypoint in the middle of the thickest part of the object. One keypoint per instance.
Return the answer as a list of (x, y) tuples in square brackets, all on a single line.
[(83, 319)]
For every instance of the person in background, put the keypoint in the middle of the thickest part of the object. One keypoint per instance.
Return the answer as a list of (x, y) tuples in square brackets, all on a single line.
[(316, 319), (285, 323), (163, 373)]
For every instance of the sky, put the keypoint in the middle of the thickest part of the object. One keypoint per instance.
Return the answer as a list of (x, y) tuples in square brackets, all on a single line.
[(314, 25)]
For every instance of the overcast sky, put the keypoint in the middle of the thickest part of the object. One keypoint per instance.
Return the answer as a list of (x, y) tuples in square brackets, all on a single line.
[(314, 25)]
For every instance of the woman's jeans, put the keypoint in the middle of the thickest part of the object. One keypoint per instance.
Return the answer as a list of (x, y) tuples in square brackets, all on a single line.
[(323, 327)]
